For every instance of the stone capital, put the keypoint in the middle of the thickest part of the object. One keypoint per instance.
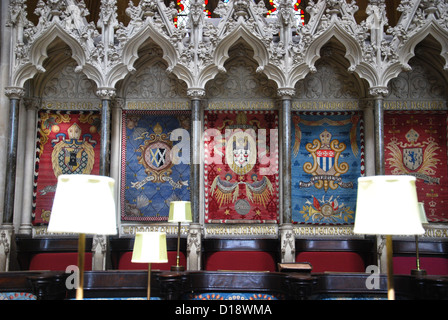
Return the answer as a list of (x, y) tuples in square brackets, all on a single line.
[(286, 93), (15, 92), (196, 93), (106, 93), (379, 91)]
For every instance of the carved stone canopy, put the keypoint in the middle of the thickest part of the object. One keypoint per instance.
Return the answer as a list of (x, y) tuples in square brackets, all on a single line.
[(93, 7), (106, 49)]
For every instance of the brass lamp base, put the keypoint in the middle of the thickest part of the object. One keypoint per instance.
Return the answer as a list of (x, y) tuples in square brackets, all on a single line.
[(81, 260), (177, 268), (418, 272)]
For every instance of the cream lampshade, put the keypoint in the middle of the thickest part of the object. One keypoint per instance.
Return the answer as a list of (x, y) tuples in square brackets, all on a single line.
[(83, 204), (150, 247), (422, 215), (387, 205), (180, 211)]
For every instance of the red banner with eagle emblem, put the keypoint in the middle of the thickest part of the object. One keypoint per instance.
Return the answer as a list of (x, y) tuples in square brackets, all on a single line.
[(416, 144), (241, 166), (68, 142)]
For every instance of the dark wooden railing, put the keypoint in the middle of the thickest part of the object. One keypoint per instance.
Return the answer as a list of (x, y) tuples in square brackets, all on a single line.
[(169, 285)]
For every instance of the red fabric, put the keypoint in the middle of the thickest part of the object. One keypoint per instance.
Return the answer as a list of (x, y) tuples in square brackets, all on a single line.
[(333, 261), (241, 186), (416, 144), (125, 262), (53, 136), (58, 261), (240, 260), (432, 265)]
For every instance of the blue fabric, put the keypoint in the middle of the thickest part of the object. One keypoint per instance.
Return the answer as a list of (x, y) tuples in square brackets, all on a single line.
[(151, 180), (17, 296), (123, 298), (326, 160), (350, 297), (234, 296)]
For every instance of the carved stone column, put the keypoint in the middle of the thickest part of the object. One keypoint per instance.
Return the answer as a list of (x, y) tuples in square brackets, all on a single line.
[(287, 243), (195, 149), (100, 247), (194, 237), (379, 135), (115, 150), (287, 238), (115, 140), (28, 179), (194, 247), (5, 60), (369, 137), (106, 95), (15, 94), (378, 94), (6, 236), (99, 252)]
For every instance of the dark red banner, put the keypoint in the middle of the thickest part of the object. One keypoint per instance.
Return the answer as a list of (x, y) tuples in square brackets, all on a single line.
[(416, 144)]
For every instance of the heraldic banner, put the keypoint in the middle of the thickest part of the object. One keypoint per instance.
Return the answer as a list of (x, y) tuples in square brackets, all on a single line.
[(326, 160), (155, 166), (68, 142), (241, 166), (416, 144)]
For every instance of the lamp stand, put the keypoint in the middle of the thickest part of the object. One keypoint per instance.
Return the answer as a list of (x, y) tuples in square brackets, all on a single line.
[(177, 267), (418, 271), (81, 257), (148, 290), (390, 269)]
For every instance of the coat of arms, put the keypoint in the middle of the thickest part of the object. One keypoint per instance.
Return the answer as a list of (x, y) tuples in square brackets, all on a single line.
[(155, 163), (416, 145), (326, 169), (73, 155), (156, 158), (414, 157), (67, 143), (241, 166), (241, 156)]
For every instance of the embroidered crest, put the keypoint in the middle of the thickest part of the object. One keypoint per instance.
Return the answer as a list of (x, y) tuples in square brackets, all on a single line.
[(413, 157), (156, 158), (241, 152), (241, 165), (73, 155), (155, 163), (327, 159), (416, 144), (326, 169), (241, 156), (68, 142)]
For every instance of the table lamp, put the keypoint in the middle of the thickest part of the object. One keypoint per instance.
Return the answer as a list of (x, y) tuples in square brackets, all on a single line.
[(180, 211), (83, 204), (149, 247), (387, 205), (423, 220)]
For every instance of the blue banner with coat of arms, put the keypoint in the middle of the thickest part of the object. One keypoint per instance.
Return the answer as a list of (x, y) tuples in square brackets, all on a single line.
[(327, 159), (155, 163)]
